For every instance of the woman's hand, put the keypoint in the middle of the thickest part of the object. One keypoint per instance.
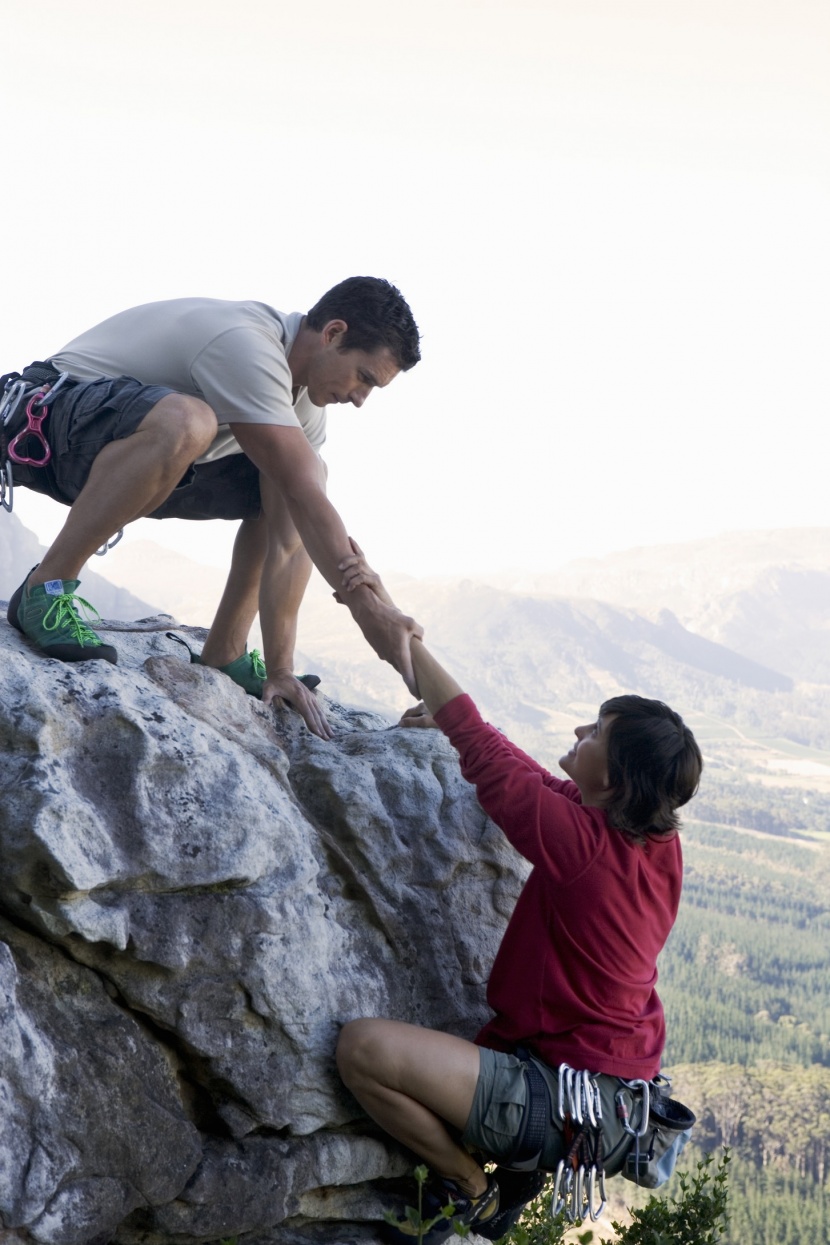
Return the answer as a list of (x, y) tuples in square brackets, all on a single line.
[(419, 716)]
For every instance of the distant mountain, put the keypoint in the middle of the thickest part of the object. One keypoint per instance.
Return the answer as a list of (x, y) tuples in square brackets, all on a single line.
[(539, 662), (782, 619), (538, 666), (20, 550), (764, 594)]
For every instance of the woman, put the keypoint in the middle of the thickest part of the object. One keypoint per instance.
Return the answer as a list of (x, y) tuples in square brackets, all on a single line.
[(573, 981)]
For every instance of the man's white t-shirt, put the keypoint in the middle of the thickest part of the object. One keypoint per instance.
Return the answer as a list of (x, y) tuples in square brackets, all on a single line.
[(232, 355)]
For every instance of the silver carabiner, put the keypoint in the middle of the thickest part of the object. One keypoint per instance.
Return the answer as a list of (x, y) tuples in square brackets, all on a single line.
[(109, 544), (578, 1199), (644, 1087), (7, 487), (11, 400), (575, 1094), (561, 1189), (595, 1213), (564, 1090), (597, 1103), (49, 391), (587, 1086)]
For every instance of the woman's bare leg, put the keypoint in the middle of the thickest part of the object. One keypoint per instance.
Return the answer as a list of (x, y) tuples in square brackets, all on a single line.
[(414, 1082)]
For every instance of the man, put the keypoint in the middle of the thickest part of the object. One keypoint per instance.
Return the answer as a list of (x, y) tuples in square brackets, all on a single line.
[(201, 408), (572, 986)]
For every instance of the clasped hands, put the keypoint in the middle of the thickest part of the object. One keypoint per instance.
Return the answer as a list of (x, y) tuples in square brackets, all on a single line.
[(387, 629), (356, 572)]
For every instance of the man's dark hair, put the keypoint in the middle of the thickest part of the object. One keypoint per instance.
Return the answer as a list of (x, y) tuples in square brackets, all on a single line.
[(654, 766), (377, 315)]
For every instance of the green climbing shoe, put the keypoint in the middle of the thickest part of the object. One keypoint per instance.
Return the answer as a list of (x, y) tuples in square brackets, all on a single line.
[(48, 616), (248, 671)]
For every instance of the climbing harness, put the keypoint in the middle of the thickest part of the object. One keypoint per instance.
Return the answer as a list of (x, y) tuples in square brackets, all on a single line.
[(34, 426), (651, 1130), (580, 1177), (13, 451), (36, 411)]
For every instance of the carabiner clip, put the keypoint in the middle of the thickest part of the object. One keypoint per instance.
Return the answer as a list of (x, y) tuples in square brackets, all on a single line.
[(11, 400), (578, 1199), (596, 1212), (33, 429), (7, 487), (49, 391), (587, 1087), (109, 544), (632, 1086), (562, 1190)]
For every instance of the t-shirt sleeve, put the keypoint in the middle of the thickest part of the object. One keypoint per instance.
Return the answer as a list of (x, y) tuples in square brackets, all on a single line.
[(243, 375), (541, 815), (312, 421)]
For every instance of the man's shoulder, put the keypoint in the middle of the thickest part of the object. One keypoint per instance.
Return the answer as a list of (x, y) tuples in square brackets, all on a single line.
[(226, 313)]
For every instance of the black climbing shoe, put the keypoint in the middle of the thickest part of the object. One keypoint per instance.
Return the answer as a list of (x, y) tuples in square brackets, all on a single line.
[(444, 1203), (516, 1189)]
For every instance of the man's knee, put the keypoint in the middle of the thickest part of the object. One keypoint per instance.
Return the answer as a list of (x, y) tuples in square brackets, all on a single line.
[(185, 425)]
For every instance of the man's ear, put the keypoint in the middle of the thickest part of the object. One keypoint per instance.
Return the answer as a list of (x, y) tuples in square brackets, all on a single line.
[(333, 330)]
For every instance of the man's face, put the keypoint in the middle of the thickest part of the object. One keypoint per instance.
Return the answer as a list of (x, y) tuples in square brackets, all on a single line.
[(587, 762), (336, 375)]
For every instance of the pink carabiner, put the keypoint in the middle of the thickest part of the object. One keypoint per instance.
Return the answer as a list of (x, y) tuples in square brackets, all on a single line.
[(33, 429)]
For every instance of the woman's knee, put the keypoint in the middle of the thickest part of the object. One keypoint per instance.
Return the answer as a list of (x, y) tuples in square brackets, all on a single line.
[(357, 1049)]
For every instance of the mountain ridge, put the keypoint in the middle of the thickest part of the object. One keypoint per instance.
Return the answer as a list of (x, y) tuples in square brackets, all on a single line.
[(533, 661)]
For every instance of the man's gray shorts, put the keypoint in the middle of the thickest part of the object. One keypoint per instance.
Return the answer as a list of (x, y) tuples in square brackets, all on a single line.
[(499, 1105), (87, 416)]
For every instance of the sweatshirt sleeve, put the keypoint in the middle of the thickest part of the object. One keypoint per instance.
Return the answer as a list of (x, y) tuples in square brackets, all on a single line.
[(541, 815)]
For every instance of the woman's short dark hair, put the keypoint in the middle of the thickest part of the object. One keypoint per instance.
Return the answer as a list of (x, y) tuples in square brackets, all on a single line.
[(377, 315), (654, 766)]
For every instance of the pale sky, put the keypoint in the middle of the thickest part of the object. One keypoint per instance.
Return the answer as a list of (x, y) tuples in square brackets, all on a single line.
[(610, 219)]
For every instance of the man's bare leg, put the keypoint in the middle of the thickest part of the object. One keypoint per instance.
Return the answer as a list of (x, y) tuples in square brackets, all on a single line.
[(270, 571), (413, 1082), (228, 635), (129, 478)]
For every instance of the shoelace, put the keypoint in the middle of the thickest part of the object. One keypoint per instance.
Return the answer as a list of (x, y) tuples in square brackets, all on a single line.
[(257, 664), (66, 614)]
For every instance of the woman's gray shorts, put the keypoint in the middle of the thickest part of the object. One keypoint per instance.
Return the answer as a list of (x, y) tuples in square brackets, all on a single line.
[(498, 1108), (86, 416)]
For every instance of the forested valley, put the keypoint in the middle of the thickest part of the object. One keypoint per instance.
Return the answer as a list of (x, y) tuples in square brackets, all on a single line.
[(744, 981)]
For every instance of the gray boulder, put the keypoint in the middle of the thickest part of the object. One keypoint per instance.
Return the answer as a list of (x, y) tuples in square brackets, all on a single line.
[(196, 893)]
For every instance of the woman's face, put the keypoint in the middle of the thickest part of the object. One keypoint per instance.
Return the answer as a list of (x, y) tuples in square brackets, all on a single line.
[(587, 762)]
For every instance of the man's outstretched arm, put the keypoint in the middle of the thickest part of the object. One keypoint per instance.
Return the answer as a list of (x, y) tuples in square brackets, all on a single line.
[(285, 458)]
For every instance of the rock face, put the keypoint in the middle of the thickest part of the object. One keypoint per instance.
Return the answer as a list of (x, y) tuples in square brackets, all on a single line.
[(195, 894)]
